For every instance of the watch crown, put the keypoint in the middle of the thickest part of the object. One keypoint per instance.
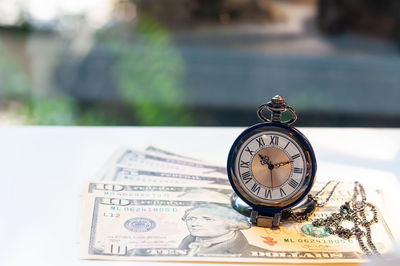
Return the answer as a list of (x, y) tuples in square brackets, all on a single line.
[(277, 99), (277, 105)]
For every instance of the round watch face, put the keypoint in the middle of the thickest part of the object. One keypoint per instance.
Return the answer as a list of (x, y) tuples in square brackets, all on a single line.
[(271, 166)]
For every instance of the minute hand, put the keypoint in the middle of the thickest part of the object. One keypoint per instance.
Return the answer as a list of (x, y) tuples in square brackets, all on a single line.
[(277, 165)]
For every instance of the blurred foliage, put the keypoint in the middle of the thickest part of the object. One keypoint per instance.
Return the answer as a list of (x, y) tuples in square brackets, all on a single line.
[(120, 65), (149, 72), (15, 86), (16, 89), (60, 110), (14, 83)]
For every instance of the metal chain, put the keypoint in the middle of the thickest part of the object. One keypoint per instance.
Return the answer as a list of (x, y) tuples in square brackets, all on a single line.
[(353, 211), (321, 204), (314, 200)]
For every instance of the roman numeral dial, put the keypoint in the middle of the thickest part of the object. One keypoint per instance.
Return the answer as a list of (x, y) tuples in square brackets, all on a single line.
[(270, 166)]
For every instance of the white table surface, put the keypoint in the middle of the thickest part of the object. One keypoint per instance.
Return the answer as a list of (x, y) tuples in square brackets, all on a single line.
[(42, 170)]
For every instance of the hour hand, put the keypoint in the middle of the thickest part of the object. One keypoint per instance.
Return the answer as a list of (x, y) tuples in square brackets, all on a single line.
[(264, 159), (277, 165)]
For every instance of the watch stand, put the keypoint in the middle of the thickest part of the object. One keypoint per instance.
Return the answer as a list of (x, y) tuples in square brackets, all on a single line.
[(272, 220)]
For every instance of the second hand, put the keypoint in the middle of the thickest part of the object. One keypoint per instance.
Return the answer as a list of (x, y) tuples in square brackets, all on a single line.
[(272, 186)]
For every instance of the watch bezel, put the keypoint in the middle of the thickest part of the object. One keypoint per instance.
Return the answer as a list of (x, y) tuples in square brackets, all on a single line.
[(307, 183)]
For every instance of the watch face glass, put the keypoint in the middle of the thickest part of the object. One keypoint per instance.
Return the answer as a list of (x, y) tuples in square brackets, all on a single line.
[(271, 167)]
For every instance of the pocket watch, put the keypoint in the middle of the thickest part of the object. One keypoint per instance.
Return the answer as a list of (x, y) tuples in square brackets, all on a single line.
[(271, 167)]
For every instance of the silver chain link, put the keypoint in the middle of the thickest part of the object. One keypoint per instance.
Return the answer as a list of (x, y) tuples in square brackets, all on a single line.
[(354, 211), (306, 216)]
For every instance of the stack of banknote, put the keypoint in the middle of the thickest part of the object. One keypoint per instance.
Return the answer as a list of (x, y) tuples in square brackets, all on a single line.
[(154, 205)]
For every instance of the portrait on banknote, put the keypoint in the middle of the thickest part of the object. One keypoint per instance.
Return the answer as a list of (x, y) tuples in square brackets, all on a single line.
[(215, 229)]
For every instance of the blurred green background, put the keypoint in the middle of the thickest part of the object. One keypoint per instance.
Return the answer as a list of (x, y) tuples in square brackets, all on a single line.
[(198, 62)]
